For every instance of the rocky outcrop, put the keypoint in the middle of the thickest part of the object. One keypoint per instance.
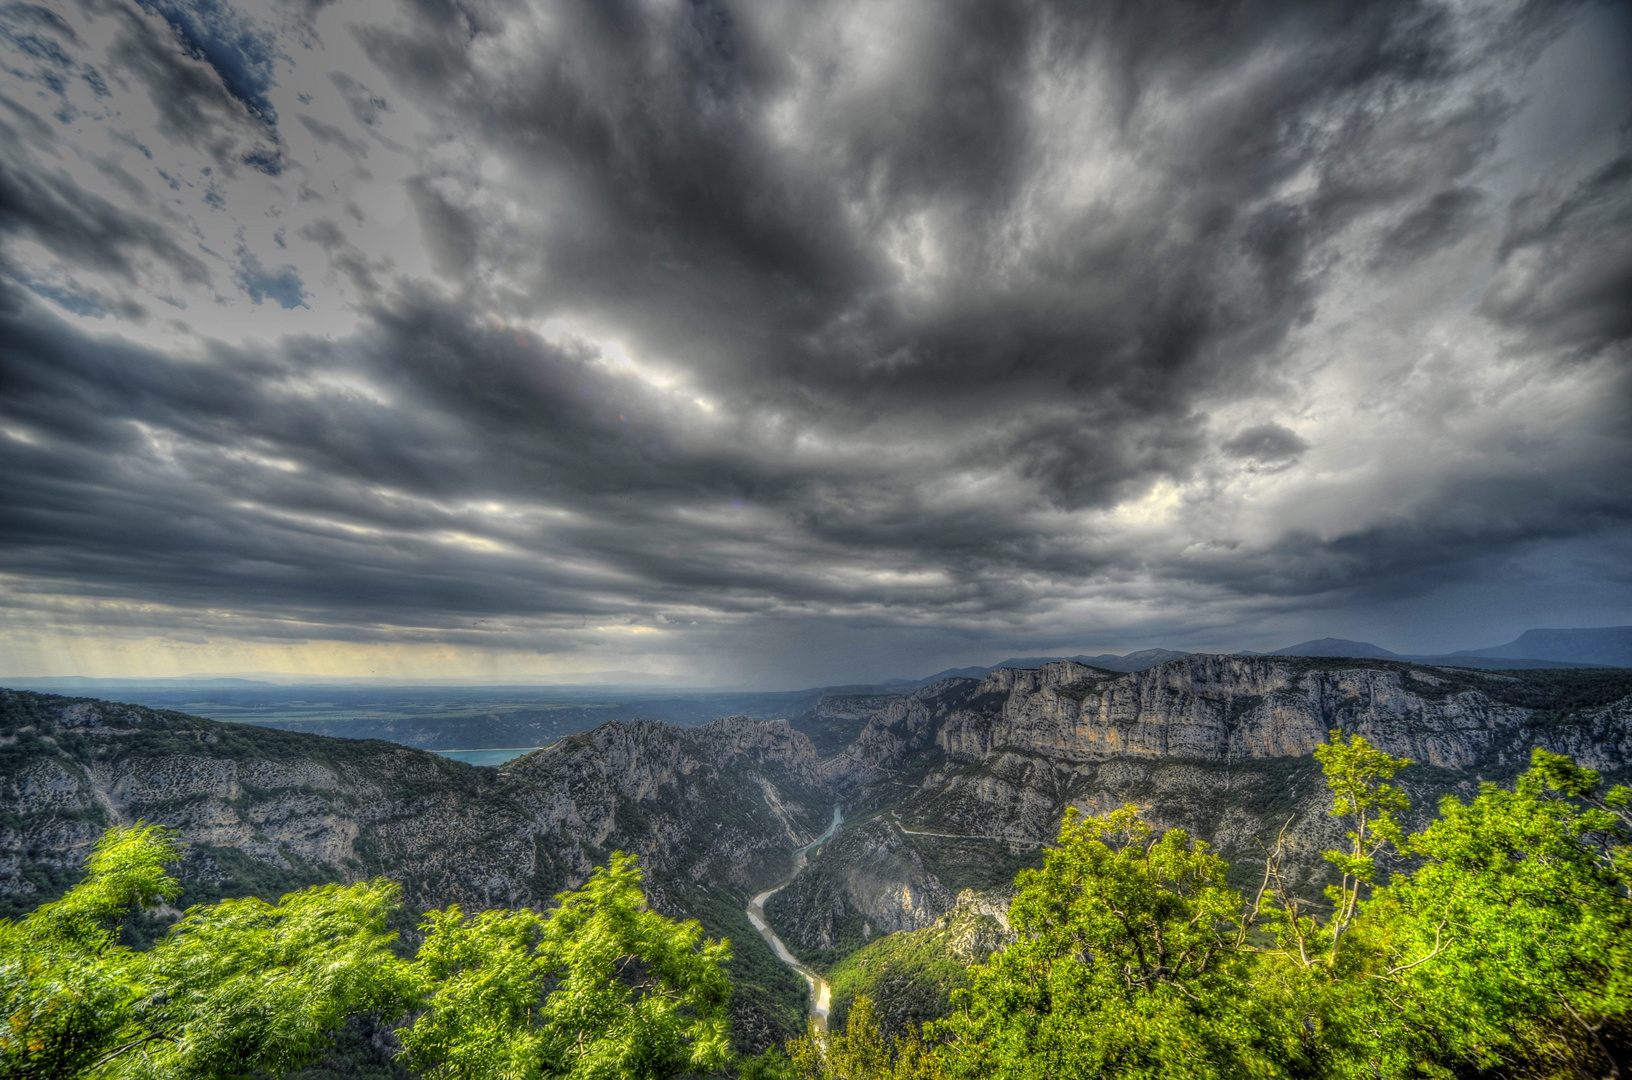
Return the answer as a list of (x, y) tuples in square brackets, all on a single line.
[(722, 804), (908, 976), (868, 881), (959, 782), (1224, 708), (1202, 707)]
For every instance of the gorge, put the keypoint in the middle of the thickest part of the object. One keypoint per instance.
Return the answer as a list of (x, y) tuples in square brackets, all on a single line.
[(946, 790)]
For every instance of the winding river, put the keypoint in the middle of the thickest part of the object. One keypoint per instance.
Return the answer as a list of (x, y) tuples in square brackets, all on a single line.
[(821, 994)]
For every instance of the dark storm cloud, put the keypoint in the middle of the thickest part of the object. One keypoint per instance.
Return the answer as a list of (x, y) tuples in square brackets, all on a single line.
[(48, 206), (653, 130), (1565, 267), (952, 316), (1443, 219), (1268, 443), (450, 234)]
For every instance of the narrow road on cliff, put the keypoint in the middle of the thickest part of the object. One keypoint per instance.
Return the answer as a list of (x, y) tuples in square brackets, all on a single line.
[(821, 994), (967, 836)]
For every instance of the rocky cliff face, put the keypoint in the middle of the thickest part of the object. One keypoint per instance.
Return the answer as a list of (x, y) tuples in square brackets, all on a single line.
[(949, 788), (721, 806), (723, 803), (1217, 745), (1224, 708)]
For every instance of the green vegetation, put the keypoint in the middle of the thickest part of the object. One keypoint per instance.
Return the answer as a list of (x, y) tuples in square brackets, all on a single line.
[(1491, 940), (909, 977), (1504, 951), (599, 986)]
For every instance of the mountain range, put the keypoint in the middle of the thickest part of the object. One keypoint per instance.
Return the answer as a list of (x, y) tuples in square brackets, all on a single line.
[(1608, 646), (947, 790)]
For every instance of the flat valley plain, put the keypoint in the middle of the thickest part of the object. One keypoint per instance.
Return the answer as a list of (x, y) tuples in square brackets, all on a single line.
[(436, 717)]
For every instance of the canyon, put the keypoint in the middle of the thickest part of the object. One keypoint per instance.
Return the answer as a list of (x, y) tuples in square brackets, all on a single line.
[(947, 791)]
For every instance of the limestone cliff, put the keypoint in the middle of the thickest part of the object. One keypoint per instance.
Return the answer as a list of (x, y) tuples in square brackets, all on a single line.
[(949, 788), (713, 811), (1217, 745), (1225, 708)]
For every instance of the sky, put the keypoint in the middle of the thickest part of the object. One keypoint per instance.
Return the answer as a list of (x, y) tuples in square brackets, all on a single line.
[(787, 343)]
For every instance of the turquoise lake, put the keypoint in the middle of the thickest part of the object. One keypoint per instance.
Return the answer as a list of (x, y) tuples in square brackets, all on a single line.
[(496, 755)]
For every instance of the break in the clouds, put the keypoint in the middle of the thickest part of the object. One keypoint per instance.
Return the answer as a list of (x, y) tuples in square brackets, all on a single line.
[(783, 342)]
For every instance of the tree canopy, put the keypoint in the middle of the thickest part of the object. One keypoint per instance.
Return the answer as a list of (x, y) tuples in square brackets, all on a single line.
[(1495, 942), (1500, 946), (597, 987)]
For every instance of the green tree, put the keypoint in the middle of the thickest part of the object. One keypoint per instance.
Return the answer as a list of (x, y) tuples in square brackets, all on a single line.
[(231, 989), (1357, 774), (1133, 960), (68, 990), (859, 1052), (599, 987), (247, 986), (1510, 947)]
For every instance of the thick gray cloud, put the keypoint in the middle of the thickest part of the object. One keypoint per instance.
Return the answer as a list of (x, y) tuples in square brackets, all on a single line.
[(808, 341)]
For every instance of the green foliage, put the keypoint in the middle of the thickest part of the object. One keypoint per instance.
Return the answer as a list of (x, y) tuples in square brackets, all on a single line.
[(246, 985), (1506, 951), (597, 987), (859, 1052), (911, 975), (1510, 948), (362, 1050), (231, 989), (600, 987), (1132, 960), (67, 989), (1357, 774)]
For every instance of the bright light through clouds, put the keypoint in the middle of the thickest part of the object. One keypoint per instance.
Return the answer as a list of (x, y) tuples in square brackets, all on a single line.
[(782, 343)]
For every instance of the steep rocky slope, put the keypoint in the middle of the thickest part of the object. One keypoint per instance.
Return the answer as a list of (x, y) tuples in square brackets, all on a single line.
[(966, 774), (948, 791), (713, 811), (911, 975)]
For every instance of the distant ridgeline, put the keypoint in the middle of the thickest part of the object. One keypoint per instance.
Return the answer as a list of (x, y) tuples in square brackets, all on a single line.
[(948, 790)]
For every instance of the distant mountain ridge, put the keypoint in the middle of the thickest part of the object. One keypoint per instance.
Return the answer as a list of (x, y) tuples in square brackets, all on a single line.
[(1331, 646), (1607, 646), (1604, 646), (1134, 661)]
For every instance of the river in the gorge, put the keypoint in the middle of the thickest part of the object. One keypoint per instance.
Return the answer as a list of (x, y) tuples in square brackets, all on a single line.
[(821, 995)]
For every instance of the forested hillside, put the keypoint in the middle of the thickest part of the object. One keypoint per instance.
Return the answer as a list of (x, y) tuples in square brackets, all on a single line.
[(948, 792)]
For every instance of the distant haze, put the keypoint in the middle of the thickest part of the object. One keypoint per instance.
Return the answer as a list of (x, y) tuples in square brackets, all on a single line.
[(786, 344)]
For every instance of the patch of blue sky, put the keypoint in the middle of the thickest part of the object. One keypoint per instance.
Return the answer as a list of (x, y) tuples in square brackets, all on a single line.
[(265, 160), (26, 40), (93, 79), (281, 283), (70, 298), (30, 33), (242, 52)]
